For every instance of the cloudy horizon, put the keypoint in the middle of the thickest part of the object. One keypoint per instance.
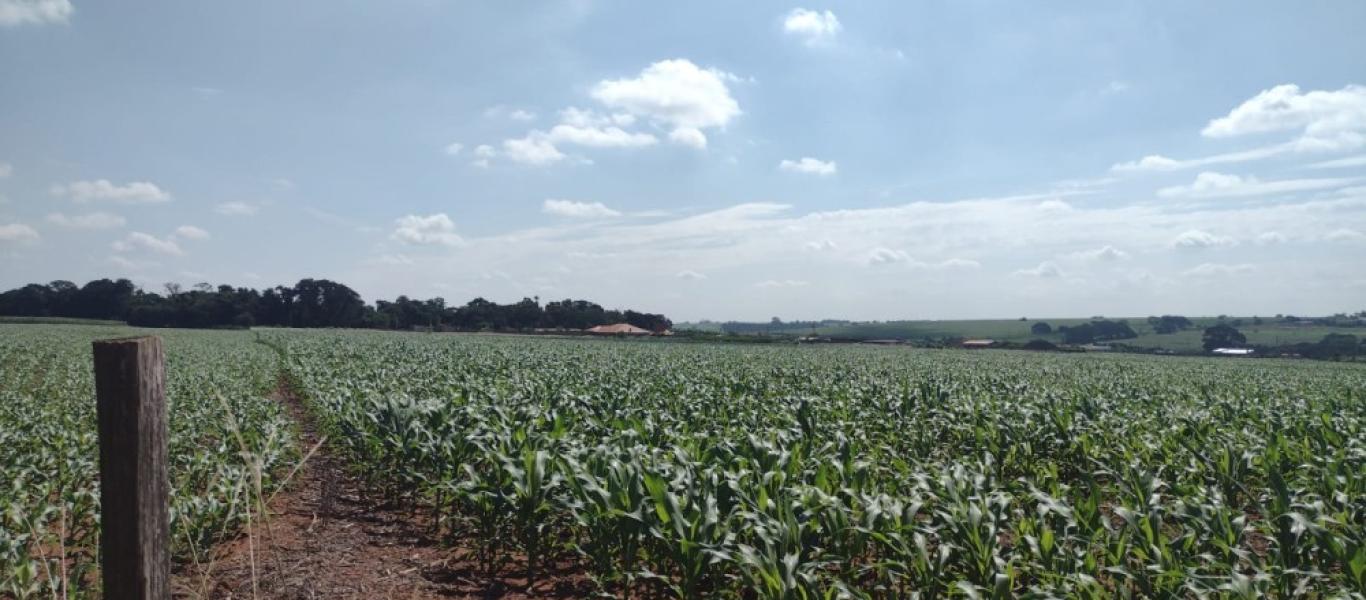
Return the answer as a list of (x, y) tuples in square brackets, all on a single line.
[(705, 161)]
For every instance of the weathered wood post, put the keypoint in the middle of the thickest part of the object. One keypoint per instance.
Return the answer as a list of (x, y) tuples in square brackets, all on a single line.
[(130, 389)]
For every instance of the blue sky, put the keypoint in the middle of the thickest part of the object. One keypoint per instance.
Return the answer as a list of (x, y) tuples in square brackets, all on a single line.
[(707, 160)]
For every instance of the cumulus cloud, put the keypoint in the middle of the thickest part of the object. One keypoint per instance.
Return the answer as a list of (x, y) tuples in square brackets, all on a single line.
[(1327, 120), (809, 165), (1210, 184), (136, 192), (820, 245), (1269, 238), (145, 241), (1152, 162), (781, 283), (887, 256), (690, 275), (1345, 235), (814, 27), (1195, 239), (1045, 270), (1217, 270), (598, 136), (17, 232), (190, 232), (453, 148), (236, 209), (94, 220), (436, 229), (674, 92), (533, 150), (578, 210), (516, 114), (34, 12), (688, 136), (1106, 253)]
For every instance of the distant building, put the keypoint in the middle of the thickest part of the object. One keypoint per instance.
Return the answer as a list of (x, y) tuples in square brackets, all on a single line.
[(617, 329), (1096, 348), (1233, 351), (978, 343)]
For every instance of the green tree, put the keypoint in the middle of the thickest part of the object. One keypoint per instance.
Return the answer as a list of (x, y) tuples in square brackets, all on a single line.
[(1223, 336)]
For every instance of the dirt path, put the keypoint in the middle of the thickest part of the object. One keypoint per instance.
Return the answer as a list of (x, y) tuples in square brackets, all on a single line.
[(327, 538)]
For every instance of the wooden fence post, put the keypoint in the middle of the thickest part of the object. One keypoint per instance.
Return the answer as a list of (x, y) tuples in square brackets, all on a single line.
[(130, 389)]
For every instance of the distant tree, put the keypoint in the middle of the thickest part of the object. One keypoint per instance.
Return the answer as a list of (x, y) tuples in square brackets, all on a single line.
[(1337, 346), (1040, 345), (1222, 336), (1041, 328), (1078, 334), (1167, 324)]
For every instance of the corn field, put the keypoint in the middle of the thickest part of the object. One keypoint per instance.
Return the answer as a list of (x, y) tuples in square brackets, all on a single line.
[(685, 471), (675, 470), (224, 431)]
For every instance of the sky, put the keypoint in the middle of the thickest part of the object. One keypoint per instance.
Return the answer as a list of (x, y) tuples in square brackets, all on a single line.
[(707, 160)]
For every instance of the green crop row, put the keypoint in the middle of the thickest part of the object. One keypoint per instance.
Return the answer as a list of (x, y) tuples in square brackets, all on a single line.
[(222, 429), (689, 471)]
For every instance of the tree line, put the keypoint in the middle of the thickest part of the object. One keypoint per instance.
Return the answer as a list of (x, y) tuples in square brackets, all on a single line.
[(308, 303)]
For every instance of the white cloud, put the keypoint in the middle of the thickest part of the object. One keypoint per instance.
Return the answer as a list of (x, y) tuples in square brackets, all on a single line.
[(1161, 163), (598, 137), (1152, 162), (143, 241), (453, 148), (1269, 238), (1106, 253), (815, 28), (578, 210), (690, 275), (781, 283), (1045, 270), (689, 136), (1328, 120), (887, 256), (821, 245), (236, 209), (1341, 163), (429, 230), (190, 232), (1345, 235), (1217, 270), (6, 170), (137, 192), (1209, 184), (1196, 238), (485, 151), (676, 92), (516, 114), (808, 165), (1054, 205), (17, 232), (534, 149), (35, 12), (95, 220)]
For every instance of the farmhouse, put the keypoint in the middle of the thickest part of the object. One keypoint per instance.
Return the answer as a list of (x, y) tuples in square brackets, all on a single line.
[(984, 343), (617, 329)]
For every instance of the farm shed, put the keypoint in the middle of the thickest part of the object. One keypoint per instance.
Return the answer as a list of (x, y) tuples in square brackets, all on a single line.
[(978, 343), (1233, 351)]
